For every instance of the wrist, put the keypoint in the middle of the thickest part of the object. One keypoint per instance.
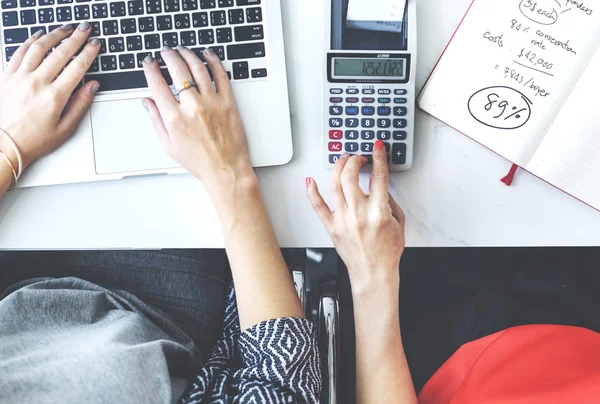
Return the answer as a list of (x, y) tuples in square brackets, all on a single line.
[(374, 285), (235, 191)]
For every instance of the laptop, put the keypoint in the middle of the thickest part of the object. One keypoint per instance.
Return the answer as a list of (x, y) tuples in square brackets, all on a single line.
[(115, 139)]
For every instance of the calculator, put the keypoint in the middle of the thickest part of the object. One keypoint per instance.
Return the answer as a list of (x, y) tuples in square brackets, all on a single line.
[(369, 85)]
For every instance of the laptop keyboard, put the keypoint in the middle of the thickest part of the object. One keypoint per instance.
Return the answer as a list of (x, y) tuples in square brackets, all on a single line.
[(131, 30)]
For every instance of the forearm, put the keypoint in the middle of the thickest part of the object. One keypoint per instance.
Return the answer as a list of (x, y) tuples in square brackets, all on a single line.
[(6, 177), (382, 373), (264, 288)]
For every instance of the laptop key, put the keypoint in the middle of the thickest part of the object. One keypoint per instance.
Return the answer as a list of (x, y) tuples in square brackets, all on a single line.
[(28, 17), (146, 24), (153, 6), (53, 27), (27, 3), (249, 33), (116, 45), (248, 2), (224, 35), (134, 43), (240, 70), (236, 16), (254, 14), (95, 28), (140, 58), (206, 4), (200, 20), (188, 38), (100, 10), (64, 1), (126, 61), (199, 52), (159, 59), (206, 37), (136, 7), (225, 3), (117, 9), (182, 21), (219, 51), (33, 30), (103, 49), (217, 18), (63, 14), (169, 39), (171, 6), (152, 41), (45, 15), (7, 4), (108, 63), (82, 12), (110, 27), (95, 67), (246, 51), (9, 51), (164, 23), (188, 5), (10, 19), (128, 26)]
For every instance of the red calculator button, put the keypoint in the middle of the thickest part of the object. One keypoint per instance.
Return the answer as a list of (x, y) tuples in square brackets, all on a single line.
[(335, 146), (335, 134)]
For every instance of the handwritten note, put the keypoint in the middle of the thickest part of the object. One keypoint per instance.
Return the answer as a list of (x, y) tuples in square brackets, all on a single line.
[(510, 68)]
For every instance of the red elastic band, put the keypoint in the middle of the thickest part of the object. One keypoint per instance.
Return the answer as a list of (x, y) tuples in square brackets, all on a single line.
[(508, 180)]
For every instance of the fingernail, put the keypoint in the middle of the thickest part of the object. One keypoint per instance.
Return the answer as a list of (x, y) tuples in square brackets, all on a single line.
[(39, 33), (66, 27), (307, 182), (179, 47), (95, 88), (148, 59), (166, 48), (344, 155), (95, 41), (378, 145), (209, 51), (145, 104), (84, 26)]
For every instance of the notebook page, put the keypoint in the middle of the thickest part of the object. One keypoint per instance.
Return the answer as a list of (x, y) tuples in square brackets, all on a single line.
[(569, 156), (509, 69)]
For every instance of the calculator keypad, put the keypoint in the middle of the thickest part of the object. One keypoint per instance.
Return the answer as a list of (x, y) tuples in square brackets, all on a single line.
[(359, 117)]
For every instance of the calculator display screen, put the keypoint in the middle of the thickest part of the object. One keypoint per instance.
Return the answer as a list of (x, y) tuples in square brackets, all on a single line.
[(362, 67)]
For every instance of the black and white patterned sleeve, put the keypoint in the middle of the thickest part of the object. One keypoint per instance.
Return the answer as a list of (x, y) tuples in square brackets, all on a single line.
[(276, 361)]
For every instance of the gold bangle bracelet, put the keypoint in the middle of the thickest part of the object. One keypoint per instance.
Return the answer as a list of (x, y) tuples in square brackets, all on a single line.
[(13, 184), (17, 152)]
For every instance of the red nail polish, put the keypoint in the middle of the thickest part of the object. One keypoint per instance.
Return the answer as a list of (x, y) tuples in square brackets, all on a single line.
[(378, 145), (307, 182)]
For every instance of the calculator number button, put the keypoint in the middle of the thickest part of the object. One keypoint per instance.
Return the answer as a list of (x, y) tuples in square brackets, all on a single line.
[(336, 122), (351, 110), (351, 134), (366, 147), (400, 123), (351, 147), (335, 134), (400, 91), (336, 100), (368, 122), (333, 158), (368, 110), (351, 122), (384, 135), (384, 111), (352, 100), (399, 135), (336, 111), (367, 135), (383, 123), (336, 91), (335, 146), (399, 153), (400, 111), (352, 91)]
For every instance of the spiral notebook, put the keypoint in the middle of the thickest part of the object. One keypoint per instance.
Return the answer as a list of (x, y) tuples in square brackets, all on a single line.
[(522, 78)]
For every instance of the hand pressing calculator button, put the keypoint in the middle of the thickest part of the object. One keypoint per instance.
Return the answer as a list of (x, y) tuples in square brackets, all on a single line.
[(384, 135)]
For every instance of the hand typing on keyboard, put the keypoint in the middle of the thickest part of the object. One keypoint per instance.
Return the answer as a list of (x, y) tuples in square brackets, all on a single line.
[(202, 131), (38, 108)]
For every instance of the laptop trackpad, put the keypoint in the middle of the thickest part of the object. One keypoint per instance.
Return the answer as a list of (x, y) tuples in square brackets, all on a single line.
[(124, 139)]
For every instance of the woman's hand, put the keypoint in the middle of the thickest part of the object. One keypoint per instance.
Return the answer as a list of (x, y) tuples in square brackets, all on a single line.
[(367, 230), (37, 106), (203, 131)]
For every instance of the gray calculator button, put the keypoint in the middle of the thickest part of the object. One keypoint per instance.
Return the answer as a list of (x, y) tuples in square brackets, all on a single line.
[(336, 100), (351, 134), (399, 153), (352, 91), (400, 100), (333, 158), (352, 100), (367, 134), (336, 122), (384, 135), (351, 147), (367, 122), (400, 91), (383, 123), (335, 111), (400, 123), (368, 100), (384, 100), (352, 122), (368, 91), (399, 135), (336, 91), (384, 91), (366, 147), (400, 111)]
